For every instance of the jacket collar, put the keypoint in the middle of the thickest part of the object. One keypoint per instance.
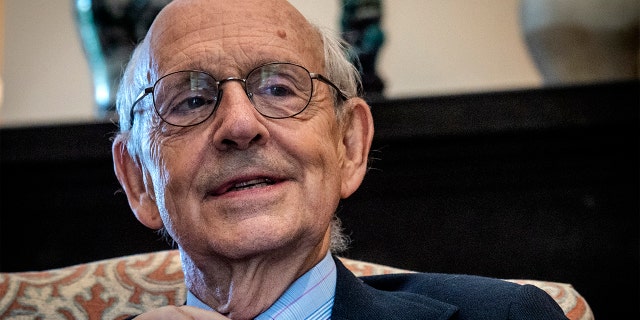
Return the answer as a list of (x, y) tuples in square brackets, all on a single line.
[(354, 299)]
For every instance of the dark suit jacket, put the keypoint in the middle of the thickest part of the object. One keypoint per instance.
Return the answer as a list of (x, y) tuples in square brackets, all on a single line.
[(438, 296)]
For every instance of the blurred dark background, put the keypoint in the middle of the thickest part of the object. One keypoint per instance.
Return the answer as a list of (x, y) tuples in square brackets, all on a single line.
[(537, 184)]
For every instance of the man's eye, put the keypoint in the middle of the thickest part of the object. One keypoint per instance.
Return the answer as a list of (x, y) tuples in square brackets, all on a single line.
[(195, 102), (191, 104), (277, 91)]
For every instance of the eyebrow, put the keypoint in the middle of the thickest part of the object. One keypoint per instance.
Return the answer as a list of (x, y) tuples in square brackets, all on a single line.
[(243, 68)]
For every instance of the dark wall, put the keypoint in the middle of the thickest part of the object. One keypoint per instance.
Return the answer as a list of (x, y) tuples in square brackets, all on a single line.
[(539, 184)]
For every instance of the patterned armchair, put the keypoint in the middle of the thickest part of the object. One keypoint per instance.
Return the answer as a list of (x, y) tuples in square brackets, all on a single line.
[(118, 287)]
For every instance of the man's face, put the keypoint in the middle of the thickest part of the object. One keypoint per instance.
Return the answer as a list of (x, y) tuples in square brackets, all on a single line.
[(240, 184)]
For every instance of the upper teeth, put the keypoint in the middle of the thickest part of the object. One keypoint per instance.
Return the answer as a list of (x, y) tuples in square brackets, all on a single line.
[(252, 183)]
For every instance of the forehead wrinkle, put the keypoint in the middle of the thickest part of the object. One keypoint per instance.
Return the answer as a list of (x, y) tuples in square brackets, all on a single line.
[(204, 36), (266, 25)]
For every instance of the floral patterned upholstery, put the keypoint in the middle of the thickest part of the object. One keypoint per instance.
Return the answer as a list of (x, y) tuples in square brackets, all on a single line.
[(118, 287)]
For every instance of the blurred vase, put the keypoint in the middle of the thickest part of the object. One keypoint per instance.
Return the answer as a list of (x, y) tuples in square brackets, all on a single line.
[(361, 24), (573, 41), (109, 31)]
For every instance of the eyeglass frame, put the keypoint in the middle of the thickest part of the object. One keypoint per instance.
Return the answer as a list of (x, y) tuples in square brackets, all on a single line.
[(312, 75)]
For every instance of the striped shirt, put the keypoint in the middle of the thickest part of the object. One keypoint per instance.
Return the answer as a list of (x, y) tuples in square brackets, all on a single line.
[(309, 297)]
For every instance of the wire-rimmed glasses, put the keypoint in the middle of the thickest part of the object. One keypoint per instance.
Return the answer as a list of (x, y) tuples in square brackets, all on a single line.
[(189, 97)]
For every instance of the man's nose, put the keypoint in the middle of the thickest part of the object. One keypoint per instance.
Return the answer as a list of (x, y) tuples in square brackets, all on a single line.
[(237, 123)]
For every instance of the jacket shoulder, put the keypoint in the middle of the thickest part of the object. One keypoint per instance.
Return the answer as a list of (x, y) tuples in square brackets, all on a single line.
[(474, 296)]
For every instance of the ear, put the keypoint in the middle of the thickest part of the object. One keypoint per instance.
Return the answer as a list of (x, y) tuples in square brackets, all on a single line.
[(358, 134), (131, 177)]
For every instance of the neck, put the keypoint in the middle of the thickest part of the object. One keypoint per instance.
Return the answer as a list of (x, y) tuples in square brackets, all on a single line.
[(242, 289)]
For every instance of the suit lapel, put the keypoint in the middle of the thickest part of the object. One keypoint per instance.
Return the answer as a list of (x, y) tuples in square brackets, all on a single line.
[(355, 299)]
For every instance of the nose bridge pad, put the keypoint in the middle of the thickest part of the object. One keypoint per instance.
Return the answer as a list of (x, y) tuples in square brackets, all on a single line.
[(218, 98)]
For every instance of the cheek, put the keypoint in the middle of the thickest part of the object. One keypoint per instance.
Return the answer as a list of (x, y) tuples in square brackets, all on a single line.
[(174, 172), (321, 154)]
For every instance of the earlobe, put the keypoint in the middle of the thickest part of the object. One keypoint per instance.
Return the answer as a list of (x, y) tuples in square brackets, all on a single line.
[(357, 143), (140, 195)]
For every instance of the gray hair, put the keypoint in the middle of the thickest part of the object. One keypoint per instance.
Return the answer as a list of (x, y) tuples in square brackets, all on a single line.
[(140, 71)]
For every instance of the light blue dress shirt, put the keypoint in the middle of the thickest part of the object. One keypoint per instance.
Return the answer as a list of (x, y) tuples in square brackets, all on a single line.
[(309, 297)]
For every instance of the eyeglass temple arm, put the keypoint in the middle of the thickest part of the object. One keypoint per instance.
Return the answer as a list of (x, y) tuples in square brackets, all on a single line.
[(322, 78), (142, 94)]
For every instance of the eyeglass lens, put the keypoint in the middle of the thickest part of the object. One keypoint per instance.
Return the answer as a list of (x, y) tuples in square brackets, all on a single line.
[(277, 90)]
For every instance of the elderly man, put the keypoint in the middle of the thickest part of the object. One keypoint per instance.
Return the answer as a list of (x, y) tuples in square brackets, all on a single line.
[(241, 129)]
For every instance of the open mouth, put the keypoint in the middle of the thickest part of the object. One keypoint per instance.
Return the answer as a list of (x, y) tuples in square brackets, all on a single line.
[(255, 183), (242, 185)]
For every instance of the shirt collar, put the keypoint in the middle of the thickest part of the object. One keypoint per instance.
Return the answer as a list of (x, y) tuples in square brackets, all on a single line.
[(309, 297)]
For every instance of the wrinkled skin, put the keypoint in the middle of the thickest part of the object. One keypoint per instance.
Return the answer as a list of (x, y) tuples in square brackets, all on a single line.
[(242, 247)]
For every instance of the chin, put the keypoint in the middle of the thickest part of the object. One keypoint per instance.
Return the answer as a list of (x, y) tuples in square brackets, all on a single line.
[(248, 244)]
